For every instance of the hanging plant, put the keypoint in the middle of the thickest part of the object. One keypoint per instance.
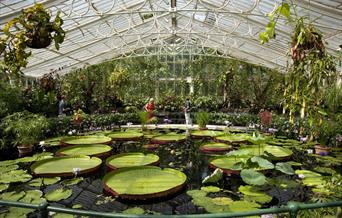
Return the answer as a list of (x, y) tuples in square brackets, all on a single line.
[(313, 70), (33, 28)]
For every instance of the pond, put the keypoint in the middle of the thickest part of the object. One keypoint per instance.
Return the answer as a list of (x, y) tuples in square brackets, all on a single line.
[(251, 172)]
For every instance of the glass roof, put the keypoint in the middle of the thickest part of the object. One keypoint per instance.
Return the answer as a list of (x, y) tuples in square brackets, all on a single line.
[(99, 30)]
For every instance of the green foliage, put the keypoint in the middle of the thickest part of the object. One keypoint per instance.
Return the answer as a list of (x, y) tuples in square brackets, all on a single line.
[(58, 194), (202, 119), (33, 28), (252, 177), (24, 127)]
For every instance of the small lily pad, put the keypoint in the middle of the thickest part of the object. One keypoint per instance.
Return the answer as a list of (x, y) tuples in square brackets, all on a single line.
[(43, 181), (262, 162), (3, 187), (5, 169), (222, 201), (12, 196), (239, 206), (254, 194), (134, 210), (210, 189), (73, 181), (58, 194), (15, 176)]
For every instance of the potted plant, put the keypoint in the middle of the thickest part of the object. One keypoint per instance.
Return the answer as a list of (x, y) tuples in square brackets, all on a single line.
[(26, 129), (202, 119), (33, 28)]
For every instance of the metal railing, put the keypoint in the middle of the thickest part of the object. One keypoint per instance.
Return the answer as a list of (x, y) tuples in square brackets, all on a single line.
[(292, 208)]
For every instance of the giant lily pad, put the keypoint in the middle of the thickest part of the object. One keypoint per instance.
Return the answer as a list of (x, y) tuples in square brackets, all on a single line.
[(205, 133), (168, 138), (126, 136), (86, 140), (3, 187), (58, 194), (144, 182), (131, 160), (215, 147), (65, 166), (226, 163), (233, 138), (96, 150)]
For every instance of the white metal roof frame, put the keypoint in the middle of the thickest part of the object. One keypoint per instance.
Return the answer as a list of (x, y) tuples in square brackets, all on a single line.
[(98, 30)]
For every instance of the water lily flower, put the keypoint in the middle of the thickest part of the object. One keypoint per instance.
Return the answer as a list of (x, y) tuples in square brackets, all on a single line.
[(74, 131), (310, 151), (303, 139), (76, 171), (272, 130), (301, 176), (70, 133), (42, 143)]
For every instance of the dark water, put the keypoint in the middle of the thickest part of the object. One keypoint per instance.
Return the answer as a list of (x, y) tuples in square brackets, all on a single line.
[(183, 156)]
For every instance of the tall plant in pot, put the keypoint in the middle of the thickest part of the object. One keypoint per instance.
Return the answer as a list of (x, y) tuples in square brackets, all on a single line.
[(26, 129), (33, 28), (202, 119)]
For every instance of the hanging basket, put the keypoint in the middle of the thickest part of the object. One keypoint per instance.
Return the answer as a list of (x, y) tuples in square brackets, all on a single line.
[(40, 38)]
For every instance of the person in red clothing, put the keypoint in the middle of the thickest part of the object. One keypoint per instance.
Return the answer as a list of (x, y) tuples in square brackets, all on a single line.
[(149, 107)]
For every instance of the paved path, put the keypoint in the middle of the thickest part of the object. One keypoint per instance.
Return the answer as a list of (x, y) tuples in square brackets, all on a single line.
[(183, 126)]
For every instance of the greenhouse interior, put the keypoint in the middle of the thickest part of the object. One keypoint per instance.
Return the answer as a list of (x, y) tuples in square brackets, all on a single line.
[(171, 108)]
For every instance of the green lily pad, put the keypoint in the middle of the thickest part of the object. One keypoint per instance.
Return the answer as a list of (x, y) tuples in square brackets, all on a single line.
[(134, 210), (274, 151), (65, 166), (314, 181), (263, 163), (33, 197), (234, 138), (89, 150), (63, 215), (196, 193), (86, 140), (73, 181), (214, 177), (215, 147), (206, 133), (8, 168), (58, 194), (7, 163), (143, 182), (226, 163), (168, 138), (37, 182), (285, 168), (131, 160), (307, 173), (77, 206), (254, 194), (222, 201), (15, 176), (3, 187), (12, 196), (36, 157), (283, 183), (125, 136), (293, 163), (51, 142), (239, 206), (210, 189), (252, 177)]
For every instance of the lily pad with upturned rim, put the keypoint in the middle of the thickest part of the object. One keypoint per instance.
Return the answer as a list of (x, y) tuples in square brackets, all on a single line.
[(131, 160), (168, 138), (86, 140), (276, 152), (96, 150), (126, 136), (65, 166), (146, 182), (233, 138), (215, 147), (205, 133)]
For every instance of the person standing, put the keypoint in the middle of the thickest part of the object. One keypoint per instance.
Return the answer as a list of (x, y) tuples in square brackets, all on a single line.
[(149, 107), (187, 110), (61, 107)]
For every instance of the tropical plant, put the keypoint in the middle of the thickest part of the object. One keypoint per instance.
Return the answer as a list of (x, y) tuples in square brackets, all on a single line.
[(202, 119), (25, 127), (33, 28)]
